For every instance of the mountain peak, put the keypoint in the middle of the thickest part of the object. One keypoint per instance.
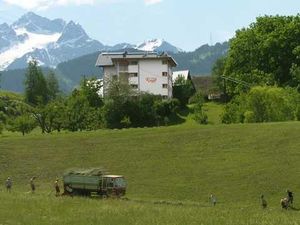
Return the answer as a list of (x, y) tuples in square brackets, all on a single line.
[(38, 24), (30, 15), (73, 32), (158, 45)]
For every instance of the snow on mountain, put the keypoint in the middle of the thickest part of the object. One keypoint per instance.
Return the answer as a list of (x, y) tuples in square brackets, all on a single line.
[(72, 33), (150, 45), (37, 24), (158, 45), (121, 46), (51, 42), (33, 41)]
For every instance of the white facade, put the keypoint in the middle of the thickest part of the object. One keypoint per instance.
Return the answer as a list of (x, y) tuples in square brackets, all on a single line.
[(150, 73)]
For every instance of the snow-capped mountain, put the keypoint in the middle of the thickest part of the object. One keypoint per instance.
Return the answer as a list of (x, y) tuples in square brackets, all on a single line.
[(158, 45), (51, 42), (39, 25)]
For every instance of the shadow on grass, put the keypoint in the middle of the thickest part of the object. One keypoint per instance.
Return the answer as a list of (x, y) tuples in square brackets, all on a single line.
[(180, 117), (294, 208)]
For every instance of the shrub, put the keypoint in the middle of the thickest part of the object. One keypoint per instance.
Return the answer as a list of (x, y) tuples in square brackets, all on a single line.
[(298, 113), (201, 117), (249, 117), (263, 104), (197, 98), (24, 124), (1, 127)]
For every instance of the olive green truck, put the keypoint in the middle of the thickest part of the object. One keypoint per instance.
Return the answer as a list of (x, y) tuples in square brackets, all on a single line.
[(94, 181)]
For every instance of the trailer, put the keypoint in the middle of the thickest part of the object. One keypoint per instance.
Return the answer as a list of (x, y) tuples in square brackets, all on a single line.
[(93, 181)]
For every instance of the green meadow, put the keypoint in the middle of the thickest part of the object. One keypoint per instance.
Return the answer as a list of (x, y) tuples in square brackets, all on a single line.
[(171, 172)]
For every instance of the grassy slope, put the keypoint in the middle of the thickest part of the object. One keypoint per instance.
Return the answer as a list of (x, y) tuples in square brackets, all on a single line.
[(182, 163)]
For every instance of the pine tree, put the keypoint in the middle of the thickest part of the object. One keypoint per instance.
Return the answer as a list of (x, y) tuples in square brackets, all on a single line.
[(53, 86), (36, 90)]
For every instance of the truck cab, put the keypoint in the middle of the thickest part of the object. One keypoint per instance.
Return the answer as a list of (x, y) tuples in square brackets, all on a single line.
[(113, 185)]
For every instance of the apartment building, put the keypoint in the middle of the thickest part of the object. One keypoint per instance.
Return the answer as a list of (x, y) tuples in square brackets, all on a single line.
[(144, 71)]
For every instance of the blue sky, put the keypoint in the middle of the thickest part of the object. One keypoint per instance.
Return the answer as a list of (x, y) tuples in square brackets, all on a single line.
[(187, 24)]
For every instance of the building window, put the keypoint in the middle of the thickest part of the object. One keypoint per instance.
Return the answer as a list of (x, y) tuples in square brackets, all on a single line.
[(133, 75), (134, 86), (133, 63), (165, 62), (165, 86), (164, 74)]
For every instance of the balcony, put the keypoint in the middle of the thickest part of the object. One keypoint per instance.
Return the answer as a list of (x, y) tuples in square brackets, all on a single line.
[(133, 69), (133, 80), (123, 69)]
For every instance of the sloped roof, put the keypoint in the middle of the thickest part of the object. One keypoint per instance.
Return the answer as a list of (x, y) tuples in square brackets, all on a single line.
[(183, 73), (107, 59)]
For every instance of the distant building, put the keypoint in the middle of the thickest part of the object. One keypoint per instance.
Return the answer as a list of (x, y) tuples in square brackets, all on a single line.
[(145, 72), (183, 73)]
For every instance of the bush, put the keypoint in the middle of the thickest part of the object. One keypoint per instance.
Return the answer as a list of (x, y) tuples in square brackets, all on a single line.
[(298, 113), (249, 117), (263, 104), (24, 124), (182, 90), (197, 98), (1, 127), (199, 115)]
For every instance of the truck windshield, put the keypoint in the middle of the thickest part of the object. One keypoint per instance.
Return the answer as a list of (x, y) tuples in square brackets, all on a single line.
[(120, 182)]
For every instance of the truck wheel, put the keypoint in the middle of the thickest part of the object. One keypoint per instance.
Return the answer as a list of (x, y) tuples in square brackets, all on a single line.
[(104, 196)]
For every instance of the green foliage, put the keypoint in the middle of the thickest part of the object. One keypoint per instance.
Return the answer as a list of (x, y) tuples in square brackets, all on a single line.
[(91, 89), (218, 71), (24, 124), (118, 90), (263, 104), (164, 109), (77, 110), (36, 90), (124, 108), (201, 61), (3, 117), (197, 98), (52, 86), (1, 127), (183, 89), (298, 113), (266, 53), (51, 116), (199, 115)]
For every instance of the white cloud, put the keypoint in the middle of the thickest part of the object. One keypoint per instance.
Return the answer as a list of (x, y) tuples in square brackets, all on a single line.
[(152, 2), (44, 4)]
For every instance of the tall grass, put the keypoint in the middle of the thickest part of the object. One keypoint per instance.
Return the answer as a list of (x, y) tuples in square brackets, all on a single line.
[(171, 171)]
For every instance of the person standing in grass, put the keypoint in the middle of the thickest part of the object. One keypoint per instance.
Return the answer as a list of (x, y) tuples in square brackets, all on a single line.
[(264, 203), (57, 189), (32, 185), (290, 196), (213, 200), (284, 203), (8, 184)]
